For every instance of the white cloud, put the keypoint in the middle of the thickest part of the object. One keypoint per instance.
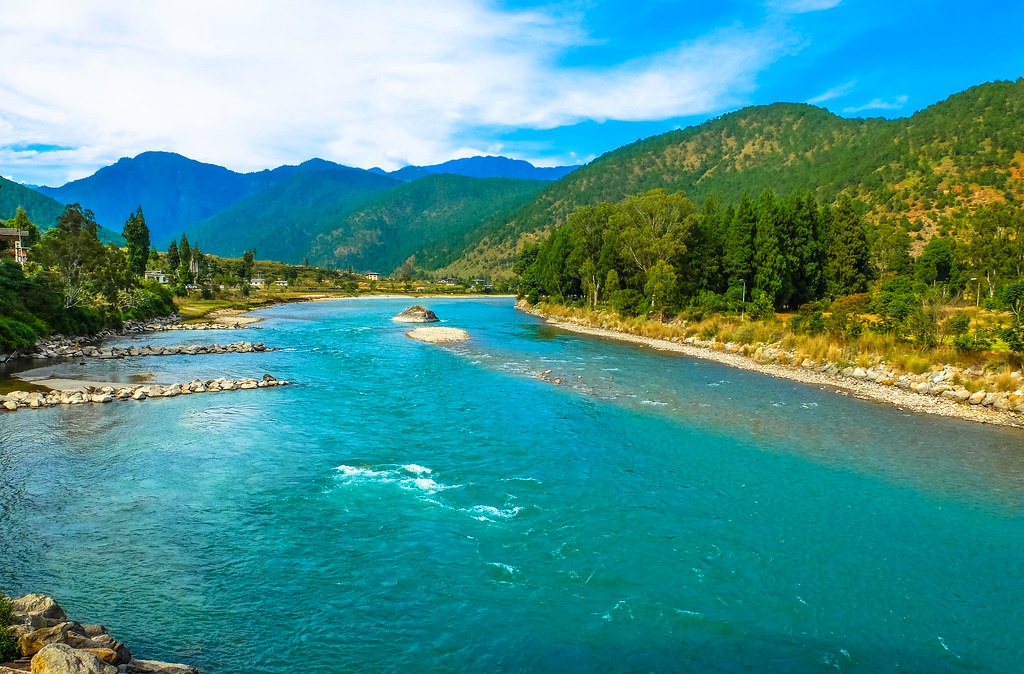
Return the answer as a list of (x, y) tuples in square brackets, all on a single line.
[(879, 104), (256, 83), (833, 93)]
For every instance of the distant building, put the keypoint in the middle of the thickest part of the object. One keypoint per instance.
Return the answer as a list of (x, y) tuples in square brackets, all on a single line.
[(257, 282), (157, 276), (283, 284), (16, 235), (372, 276)]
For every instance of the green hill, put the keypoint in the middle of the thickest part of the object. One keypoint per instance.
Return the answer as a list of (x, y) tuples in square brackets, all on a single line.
[(423, 225), (281, 221), (921, 172), (41, 209)]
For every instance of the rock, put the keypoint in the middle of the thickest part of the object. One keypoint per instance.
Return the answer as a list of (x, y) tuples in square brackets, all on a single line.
[(416, 314), (139, 394), (105, 654), (155, 667), (977, 398), (63, 659), (39, 605), (438, 335)]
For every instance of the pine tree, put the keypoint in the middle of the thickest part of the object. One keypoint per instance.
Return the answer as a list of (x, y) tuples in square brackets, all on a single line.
[(184, 253), (739, 245), (136, 236), (848, 267), (769, 263), (173, 257), (807, 248)]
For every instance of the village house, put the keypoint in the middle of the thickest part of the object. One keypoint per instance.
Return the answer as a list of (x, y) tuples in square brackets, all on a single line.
[(257, 282), (158, 276), (372, 276), (16, 236)]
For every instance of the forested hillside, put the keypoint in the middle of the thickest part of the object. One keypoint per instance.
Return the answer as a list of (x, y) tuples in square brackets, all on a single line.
[(421, 225), (282, 221), (41, 209), (920, 175)]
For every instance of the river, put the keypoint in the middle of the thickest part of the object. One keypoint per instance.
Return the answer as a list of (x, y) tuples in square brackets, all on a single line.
[(413, 507)]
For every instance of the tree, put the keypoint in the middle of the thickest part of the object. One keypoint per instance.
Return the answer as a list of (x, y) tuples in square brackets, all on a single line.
[(847, 267), (173, 257), (72, 251), (806, 248), (185, 251), (769, 263), (136, 236), (245, 267), (739, 245), (938, 262), (661, 284), (1012, 297), (653, 226)]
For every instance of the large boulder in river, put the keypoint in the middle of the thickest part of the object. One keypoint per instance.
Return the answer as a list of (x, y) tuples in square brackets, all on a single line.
[(416, 314)]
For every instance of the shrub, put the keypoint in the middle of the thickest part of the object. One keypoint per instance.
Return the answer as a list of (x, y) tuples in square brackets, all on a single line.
[(628, 302), (9, 649), (15, 335), (761, 308)]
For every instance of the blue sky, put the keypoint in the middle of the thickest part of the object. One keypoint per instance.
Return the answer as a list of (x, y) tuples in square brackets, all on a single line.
[(252, 84)]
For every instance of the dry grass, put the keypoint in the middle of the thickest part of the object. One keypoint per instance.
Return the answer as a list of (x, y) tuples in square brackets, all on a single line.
[(869, 349)]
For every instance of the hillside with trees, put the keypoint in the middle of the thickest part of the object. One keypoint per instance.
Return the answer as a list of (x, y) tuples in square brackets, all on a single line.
[(282, 221), (421, 225), (918, 176), (41, 209)]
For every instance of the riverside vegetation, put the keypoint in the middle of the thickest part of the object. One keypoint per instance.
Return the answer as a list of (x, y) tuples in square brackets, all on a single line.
[(797, 276)]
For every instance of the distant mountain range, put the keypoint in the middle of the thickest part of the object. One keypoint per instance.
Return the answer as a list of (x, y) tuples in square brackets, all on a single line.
[(179, 195), (468, 217)]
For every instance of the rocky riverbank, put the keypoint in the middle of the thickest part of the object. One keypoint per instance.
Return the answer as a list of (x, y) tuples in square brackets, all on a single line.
[(130, 328), (932, 392), (100, 394), (64, 349), (51, 643)]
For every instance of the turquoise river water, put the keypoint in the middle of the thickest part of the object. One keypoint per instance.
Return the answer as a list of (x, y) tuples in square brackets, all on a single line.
[(407, 507)]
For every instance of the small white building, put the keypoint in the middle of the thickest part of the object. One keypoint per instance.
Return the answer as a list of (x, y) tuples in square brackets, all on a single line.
[(257, 282), (283, 284), (372, 276), (157, 276)]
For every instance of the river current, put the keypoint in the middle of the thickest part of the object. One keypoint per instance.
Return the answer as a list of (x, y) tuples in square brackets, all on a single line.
[(412, 507)]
